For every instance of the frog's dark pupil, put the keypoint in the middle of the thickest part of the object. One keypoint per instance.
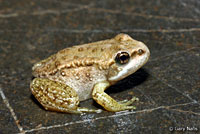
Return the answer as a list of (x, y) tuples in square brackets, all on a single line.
[(122, 58)]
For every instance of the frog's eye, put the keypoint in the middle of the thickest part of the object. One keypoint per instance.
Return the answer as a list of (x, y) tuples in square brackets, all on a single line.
[(122, 58)]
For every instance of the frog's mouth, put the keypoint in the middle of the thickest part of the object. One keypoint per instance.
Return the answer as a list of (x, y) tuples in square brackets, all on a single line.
[(131, 67)]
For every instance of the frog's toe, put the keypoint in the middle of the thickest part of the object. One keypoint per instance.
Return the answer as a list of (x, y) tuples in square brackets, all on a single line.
[(128, 102), (129, 107), (84, 109), (123, 101), (99, 110)]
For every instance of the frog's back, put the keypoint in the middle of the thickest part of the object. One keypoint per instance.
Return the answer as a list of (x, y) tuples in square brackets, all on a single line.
[(82, 55), (66, 57)]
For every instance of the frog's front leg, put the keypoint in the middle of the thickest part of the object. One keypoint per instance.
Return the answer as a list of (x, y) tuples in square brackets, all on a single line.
[(107, 102), (56, 96)]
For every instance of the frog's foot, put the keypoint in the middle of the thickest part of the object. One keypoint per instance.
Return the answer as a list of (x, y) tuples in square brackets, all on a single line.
[(56, 96), (84, 109), (78, 110), (107, 102), (129, 102)]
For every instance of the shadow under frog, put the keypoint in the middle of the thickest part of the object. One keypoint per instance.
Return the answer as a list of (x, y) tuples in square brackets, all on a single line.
[(129, 82)]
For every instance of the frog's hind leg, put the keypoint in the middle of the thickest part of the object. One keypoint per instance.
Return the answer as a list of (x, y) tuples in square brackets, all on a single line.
[(56, 96)]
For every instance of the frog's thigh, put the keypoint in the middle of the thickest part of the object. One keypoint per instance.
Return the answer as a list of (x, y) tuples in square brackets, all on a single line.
[(56, 96), (106, 101)]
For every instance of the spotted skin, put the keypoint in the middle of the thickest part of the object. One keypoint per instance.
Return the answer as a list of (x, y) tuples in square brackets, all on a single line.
[(56, 96)]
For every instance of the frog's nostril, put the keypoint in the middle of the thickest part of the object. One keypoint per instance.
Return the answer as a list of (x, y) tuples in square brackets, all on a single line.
[(140, 51)]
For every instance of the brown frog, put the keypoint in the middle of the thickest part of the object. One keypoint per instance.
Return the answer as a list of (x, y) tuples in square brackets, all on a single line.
[(84, 71)]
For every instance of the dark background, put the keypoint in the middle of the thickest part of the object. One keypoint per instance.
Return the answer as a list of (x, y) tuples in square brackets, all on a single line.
[(168, 86)]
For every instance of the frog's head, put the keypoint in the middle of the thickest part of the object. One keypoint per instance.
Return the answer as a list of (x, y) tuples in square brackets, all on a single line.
[(128, 56)]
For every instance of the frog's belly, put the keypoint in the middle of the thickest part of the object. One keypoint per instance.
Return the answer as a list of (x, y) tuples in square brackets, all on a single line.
[(84, 90), (81, 79)]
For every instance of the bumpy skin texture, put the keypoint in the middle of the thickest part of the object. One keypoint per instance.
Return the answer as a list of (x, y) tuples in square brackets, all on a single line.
[(56, 96), (85, 71)]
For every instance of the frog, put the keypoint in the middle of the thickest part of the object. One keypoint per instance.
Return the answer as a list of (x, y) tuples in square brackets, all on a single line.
[(81, 72)]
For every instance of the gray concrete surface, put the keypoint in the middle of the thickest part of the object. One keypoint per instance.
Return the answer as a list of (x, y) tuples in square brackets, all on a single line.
[(168, 86)]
